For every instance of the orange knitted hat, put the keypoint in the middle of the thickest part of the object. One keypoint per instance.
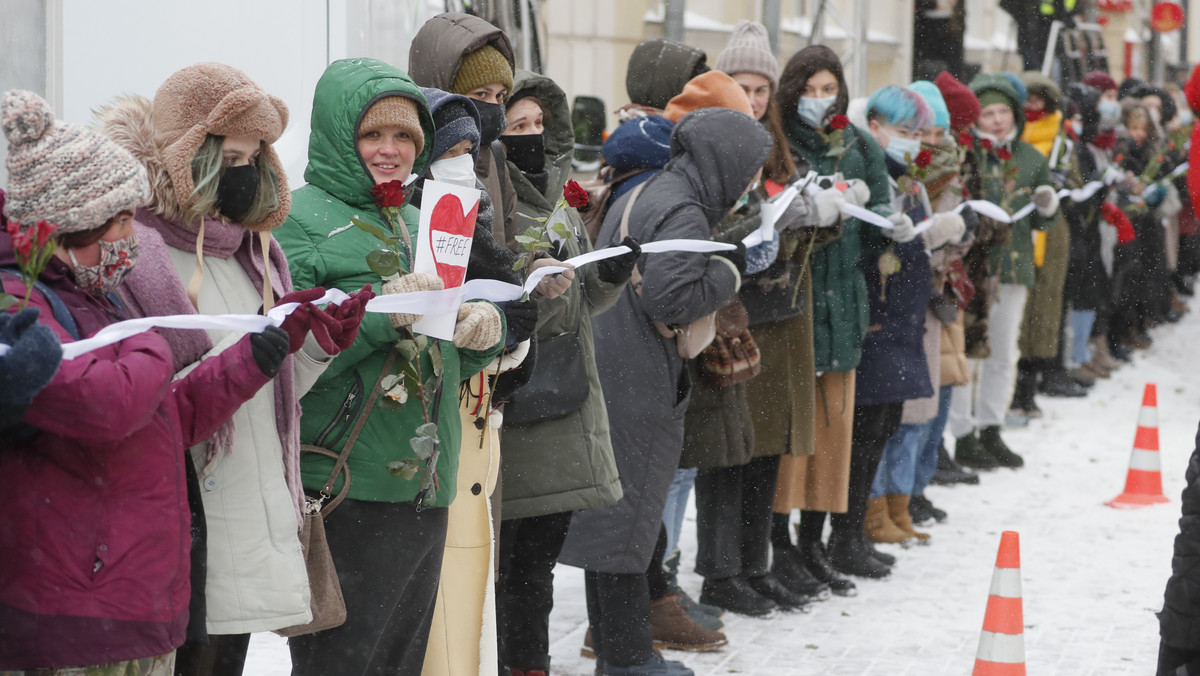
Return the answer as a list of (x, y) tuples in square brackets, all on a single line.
[(713, 89)]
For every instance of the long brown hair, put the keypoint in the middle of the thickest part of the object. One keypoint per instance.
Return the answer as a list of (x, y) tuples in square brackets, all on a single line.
[(800, 68), (780, 167)]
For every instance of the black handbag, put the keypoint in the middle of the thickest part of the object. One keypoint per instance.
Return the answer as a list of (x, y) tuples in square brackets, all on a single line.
[(559, 384)]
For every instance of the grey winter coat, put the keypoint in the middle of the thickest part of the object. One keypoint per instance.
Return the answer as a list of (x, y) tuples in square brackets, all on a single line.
[(715, 153)]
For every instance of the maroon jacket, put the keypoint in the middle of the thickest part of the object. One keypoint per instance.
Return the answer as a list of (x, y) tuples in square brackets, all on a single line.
[(94, 533)]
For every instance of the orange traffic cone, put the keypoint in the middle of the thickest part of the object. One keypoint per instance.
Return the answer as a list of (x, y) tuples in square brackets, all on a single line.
[(1002, 642), (1143, 484)]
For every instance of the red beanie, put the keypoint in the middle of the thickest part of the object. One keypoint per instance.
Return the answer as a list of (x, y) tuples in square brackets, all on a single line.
[(960, 101), (1100, 80)]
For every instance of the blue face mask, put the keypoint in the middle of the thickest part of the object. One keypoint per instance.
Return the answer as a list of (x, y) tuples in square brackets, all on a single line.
[(903, 150), (814, 110), (1110, 114)]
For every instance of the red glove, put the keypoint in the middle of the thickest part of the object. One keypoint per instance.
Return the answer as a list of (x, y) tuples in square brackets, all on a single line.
[(297, 323), (336, 327), (1117, 218)]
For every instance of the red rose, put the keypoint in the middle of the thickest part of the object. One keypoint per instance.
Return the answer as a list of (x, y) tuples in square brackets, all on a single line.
[(1004, 154), (987, 145), (22, 244), (390, 194), (923, 159), (575, 195), (44, 230), (964, 139), (839, 122)]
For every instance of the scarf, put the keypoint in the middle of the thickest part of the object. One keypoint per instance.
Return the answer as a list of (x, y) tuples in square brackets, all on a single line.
[(148, 292)]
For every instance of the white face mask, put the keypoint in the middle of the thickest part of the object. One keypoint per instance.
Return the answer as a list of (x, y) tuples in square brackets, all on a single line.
[(903, 150), (457, 170), (813, 110)]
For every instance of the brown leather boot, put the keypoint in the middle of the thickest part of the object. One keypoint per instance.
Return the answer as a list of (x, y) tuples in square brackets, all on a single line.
[(879, 526), (897, 509), (673, 628)]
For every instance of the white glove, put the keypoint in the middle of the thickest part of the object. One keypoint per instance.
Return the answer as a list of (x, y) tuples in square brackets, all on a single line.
[(479, 327), (857, 192), (904, 231), (1046, 200), (829, 203), (417, 281), (946, 228)]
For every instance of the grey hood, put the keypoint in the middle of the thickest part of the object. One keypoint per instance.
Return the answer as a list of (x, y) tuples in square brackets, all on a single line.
[(437, 50), (718, 151)]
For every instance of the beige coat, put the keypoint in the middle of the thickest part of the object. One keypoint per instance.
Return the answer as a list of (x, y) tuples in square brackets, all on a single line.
[(955, 368)]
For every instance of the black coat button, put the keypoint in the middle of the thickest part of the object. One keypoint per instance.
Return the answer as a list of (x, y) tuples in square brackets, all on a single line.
[(476, 489)]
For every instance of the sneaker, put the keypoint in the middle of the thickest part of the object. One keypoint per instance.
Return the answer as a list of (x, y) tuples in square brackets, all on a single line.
[(923, 511), (737, 596), (970, 453), (991, 444), (950, 472), (673, 629)]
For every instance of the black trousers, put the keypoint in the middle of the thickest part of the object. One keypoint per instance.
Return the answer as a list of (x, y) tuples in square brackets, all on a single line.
[(619, 611), (1174, 661), (874, 424), (733, 518), (389, 560), (221, 655), (529, 549)]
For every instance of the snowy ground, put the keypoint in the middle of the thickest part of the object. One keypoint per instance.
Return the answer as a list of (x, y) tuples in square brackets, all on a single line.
[(1092, 576)]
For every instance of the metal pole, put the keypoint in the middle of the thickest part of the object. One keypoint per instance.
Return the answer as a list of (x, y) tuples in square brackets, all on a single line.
[(859, 86), (770, 19), (1051, 48), (817, 36), (527, 29), (673, 28)]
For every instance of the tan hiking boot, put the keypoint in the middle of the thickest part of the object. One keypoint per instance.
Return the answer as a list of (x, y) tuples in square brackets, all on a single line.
[(672, 628), (897, 509), (878, 525)]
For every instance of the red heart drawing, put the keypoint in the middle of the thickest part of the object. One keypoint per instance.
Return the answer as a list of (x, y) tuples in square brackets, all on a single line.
[(448, 218)]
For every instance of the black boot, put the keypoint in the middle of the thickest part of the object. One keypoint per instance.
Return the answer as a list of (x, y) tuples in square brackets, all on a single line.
[(991, 443), (923, 511), (1058, 383), (735, 595), (885, 559), (950, 472), (849, 555), (789, 569), (1023, 394), (769, 587), (812, 555), (968, 451)]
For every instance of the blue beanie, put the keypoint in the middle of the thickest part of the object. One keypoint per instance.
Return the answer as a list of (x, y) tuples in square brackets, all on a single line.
[(933, 96), (1019, 85), (455, 119)]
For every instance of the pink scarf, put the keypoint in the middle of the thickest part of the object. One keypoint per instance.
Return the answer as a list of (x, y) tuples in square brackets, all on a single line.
[(153, 288)]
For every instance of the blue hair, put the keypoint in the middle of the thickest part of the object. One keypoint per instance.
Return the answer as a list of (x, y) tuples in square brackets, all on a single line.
[(933, 96), (899, 107)]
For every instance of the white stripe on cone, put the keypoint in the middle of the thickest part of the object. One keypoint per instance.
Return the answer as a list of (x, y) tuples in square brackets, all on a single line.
[(1148, 417), (1003, 648), (1144, 460), (1006, 582)]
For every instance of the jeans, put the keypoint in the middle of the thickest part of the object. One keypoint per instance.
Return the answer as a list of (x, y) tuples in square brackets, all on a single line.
[(927, 457), (897, 468), (677, 499), (1081, 326)]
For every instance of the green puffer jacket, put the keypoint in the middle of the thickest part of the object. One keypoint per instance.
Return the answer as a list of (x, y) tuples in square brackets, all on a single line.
[(324, 249), (840, 311), (566, 463)]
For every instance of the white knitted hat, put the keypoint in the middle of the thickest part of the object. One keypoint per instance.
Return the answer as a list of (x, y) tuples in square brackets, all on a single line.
[(66, 174), (749, 51)]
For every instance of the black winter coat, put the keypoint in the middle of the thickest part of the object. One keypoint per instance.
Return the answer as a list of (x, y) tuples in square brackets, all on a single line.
[(1179, 621)]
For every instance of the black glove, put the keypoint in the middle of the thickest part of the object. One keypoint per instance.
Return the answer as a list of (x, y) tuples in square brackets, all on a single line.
[(616, 270), (30, 364), (521, 317), (737, 257), (971, 220), (269, 349)]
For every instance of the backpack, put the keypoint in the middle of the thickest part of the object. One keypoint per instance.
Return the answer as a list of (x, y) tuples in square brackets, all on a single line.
[(57, 307), (599, 192)]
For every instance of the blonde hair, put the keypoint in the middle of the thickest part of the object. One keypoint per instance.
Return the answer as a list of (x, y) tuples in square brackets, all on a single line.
[(208, 165)]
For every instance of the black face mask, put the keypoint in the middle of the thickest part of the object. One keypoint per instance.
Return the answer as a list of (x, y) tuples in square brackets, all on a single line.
[(236, 191), (492, 122), (527, 151)]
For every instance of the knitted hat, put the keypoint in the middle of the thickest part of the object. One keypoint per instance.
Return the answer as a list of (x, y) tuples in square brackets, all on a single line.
[(454, 119), (64, 173), (961, 102), (482, 67), (394, 111), (749, 51), (1018, 86), (212, 98), (929, 91), (713, 89), (1100, 80)]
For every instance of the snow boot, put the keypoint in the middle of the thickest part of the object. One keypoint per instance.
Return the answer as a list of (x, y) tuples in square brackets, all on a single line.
[(787, 567), (1058, 383), (950, 472), (991, 444), (879, 526), (1101, 358), (771, 588), (672, 628), (848, 554), (812, 555), (897, 508), (969, 451), (923, 511), (883, 557), (735, 595), (1023, 394)]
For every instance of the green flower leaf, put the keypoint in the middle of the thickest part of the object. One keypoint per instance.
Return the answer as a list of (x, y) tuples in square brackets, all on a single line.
[(520, 264), (7, 300), (371, 229), (422, 447), (526, 239), (429, 429), (383, 262), (406, 469), (422, 342), (439, 361), (561, 230), (389, 382), (407, 349)]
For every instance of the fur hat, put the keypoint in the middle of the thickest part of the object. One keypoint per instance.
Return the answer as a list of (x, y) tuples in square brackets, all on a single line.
[(64, 173), (482, 67), (961, 102), (394, 111), (749, 51), (1100, 80), (713, 89), (212, 98)]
